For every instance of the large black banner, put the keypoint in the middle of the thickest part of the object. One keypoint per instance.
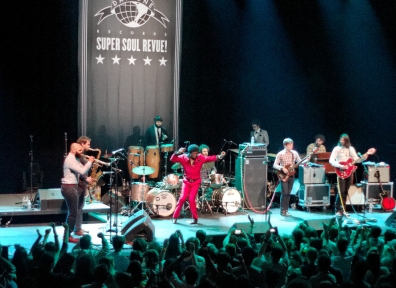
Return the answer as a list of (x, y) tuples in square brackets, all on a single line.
[(129, 58)]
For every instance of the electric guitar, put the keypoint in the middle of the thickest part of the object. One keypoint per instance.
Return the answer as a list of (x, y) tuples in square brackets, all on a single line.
[(387, 202), (350, 164), (291, 169)]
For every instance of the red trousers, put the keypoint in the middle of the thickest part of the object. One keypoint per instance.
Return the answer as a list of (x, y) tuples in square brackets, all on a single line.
[(189, 191)]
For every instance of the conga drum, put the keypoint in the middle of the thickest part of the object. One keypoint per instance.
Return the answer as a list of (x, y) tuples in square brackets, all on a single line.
[(136, 160), (153, 158)]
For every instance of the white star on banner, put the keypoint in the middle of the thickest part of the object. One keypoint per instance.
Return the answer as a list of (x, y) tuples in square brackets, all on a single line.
[(116, 60), (147, 61), (100, 59), (131, 60), (162, 61)]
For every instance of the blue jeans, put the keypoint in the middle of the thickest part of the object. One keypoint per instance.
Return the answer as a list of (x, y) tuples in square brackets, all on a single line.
[(285, 196), (75, 199)]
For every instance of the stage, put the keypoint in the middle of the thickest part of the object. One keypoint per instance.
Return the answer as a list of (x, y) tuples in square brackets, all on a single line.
[(216, 225)]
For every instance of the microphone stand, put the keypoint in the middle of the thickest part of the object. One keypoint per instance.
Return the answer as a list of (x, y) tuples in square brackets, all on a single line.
[(31, 168), (223, 160), (65, 144), (116, 193)]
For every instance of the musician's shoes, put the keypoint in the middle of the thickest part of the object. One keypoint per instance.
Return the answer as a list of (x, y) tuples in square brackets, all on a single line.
[(195, 221), (174, 221), (285, 214), (73, 240), (81, 232)]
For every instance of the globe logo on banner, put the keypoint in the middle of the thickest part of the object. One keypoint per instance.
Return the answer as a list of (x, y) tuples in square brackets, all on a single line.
[(132, 13)]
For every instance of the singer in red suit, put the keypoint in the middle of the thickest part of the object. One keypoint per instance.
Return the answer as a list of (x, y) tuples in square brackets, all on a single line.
[(192, 163)]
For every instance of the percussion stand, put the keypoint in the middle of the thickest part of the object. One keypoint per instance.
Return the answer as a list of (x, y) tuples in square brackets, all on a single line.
[(143, 201), (166, 163), (205, 202)]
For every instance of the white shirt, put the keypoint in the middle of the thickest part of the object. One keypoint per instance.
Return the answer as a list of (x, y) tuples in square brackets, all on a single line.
[(156, 133), (72, 168), (342, 154)]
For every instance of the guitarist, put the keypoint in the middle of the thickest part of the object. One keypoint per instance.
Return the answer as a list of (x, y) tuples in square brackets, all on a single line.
[(341, 153), (283, 158)]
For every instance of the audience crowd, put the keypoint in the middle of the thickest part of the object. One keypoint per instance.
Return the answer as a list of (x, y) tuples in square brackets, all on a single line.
[(336, 257)]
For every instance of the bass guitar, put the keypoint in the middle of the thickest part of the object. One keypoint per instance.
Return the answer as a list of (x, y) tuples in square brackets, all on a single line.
[(350, 164), (387, 202), (291, 169)]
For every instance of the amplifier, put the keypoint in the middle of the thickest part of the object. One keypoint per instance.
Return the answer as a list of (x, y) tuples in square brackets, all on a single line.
[(372, 190), (311, 195), (383, 170), (311, 174), (257, 150)]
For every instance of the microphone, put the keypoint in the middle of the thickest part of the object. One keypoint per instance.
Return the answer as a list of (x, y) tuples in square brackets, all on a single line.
[(233, 143), (186, 142), (107, 172), (115, 169), (226, 141), (134, 154), (116, 151)]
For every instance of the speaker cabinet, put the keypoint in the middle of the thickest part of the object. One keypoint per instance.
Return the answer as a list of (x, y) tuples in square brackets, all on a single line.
[(311, 174), (50, 199), (132, 220), (373, 190), (142, 228), (317, 224), (251, 178), (112, 202), (311, 195), (355, 196)]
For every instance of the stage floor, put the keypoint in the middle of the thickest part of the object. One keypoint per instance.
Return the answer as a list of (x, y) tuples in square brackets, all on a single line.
[(216, 224)]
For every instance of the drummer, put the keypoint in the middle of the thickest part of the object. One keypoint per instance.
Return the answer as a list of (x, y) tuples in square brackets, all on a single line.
[(209, 167), (156, 134)]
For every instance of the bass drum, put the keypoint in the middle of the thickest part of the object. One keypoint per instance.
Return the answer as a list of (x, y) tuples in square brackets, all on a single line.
[(136, 160), (162, 202), (227, 198), (153, 160)]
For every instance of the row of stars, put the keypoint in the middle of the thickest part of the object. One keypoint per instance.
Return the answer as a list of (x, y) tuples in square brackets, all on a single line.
[(131, 60)]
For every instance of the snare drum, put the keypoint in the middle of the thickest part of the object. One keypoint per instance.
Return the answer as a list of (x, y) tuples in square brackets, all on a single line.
[(216, 180), (162, 202), (171, 182), (153, 160), (227, 198), (166, 148), (136, 160), (137, 188)]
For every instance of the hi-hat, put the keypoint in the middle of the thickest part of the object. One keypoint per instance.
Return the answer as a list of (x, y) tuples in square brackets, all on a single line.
[(176, 166), (143, 170)]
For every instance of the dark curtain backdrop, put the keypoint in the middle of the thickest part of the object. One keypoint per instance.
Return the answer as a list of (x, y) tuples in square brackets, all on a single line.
[(301, 67)]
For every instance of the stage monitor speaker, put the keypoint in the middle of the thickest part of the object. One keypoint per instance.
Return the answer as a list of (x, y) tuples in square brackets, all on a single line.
[(142, 228), (253, 179), (112, 202), (50, 199), (259, 228), (317, 224), (391, 220), (133, 219)]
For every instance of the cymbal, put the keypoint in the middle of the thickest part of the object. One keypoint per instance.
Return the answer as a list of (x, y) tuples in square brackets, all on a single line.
[(176, 166), (143, 170)]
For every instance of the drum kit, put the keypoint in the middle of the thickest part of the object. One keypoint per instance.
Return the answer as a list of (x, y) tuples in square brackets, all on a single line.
[(161, 200)]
